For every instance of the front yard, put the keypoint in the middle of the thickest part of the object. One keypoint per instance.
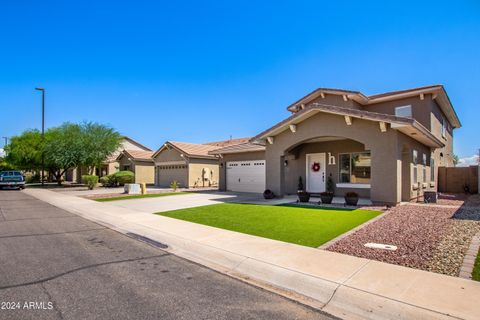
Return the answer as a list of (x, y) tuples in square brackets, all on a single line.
[(304, 226), (428, 236)]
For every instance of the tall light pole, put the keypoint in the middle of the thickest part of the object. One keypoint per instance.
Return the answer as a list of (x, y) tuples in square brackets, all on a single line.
[(43, 131), (6, 142)]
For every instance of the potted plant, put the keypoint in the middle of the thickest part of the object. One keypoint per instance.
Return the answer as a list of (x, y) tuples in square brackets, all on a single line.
[(303, 196), (327, 196), (268, 194), (351, 198)]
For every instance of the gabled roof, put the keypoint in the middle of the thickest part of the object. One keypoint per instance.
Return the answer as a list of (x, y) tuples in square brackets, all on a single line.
[(408, 126), (137, 143), (136, 155), (239, 148), (192, 150), (229, 142), (438, 91)]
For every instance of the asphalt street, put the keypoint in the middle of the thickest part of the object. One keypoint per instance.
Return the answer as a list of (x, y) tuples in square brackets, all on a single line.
[(56, 265)]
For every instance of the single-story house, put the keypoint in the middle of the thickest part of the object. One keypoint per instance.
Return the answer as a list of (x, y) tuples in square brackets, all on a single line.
[(140, 162), (386, 147), (188, 163), (111, 164)]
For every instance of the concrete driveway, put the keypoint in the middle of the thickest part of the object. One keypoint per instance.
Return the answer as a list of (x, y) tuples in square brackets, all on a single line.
[(194, 199)]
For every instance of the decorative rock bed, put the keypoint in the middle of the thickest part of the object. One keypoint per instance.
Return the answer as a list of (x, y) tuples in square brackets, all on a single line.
[(429, 237)]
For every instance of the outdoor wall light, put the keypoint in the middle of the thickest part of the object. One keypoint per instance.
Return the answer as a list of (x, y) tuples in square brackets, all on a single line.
[(285, 163)]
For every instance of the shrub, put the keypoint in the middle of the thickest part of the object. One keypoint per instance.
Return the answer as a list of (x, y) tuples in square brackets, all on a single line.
[(123, 177), (108, 181), (90, 181), (174, 185), (32, 178)]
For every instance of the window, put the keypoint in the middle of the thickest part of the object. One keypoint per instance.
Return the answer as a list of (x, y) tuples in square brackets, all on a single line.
[(126, 168), (404, 111), (355, 167), (424, 172), (444, 127), (432, 168), (415, 167)]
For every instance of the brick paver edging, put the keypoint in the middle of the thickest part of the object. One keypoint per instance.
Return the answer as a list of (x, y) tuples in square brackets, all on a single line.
[(470, 256)]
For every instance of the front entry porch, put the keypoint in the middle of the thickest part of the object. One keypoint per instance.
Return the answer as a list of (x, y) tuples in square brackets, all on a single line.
[(333, 164)]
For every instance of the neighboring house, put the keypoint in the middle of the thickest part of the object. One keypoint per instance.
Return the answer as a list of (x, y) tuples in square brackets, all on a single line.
[(140, 162), (386, 147), (111, 164), (188, 163)]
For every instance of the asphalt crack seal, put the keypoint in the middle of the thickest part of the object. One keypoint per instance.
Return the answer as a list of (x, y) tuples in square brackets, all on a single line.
[(147, 240)]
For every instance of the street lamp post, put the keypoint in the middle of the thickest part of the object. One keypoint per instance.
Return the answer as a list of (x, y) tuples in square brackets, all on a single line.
[(43, 131)]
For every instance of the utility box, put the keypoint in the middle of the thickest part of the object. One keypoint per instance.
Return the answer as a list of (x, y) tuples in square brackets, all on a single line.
[(430, 196), (132, 188), (143, 187)]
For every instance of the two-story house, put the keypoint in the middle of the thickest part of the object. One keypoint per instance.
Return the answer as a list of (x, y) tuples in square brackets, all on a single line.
[(386, 147)]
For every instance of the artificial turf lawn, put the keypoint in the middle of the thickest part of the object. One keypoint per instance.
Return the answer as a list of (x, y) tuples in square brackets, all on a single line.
[(310, 227), (140, 196), (476, 268)]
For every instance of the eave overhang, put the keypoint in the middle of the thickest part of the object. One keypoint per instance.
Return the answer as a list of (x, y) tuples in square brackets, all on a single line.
[(408, 126)]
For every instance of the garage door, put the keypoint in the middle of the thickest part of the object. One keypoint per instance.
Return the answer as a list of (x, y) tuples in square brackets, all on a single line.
[(246, 176)]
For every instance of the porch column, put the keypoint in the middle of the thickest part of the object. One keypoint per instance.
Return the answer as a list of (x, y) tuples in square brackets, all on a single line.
[(386, 177), (274, 172)]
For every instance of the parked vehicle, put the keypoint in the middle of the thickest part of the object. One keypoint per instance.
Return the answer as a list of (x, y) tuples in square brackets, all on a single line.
[(12, 179)]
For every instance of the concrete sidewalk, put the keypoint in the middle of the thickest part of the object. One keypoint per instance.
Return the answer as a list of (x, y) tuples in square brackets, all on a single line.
[(344, 286)]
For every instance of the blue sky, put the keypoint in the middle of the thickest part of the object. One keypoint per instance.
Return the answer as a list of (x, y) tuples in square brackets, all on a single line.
[(199, 71)]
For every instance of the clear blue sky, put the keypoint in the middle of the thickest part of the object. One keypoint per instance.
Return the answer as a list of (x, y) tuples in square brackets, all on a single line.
[(203, 70)]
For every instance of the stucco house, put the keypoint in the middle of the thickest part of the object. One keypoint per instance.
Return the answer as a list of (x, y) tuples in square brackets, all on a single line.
[(111, 164), (386, 147), (190, 164), (140, 162)]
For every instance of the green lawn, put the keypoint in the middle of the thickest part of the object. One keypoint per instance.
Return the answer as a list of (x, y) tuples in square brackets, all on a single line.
[(140, 196), (476, 268), (300, 225)]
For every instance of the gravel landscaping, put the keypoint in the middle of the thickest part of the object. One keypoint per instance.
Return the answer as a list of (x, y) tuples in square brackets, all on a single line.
[(429, 237)]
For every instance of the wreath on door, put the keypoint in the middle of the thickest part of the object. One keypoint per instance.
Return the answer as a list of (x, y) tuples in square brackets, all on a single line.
[(316, 166)]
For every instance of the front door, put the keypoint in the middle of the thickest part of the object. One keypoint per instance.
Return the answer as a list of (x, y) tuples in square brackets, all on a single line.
[(315, 172)]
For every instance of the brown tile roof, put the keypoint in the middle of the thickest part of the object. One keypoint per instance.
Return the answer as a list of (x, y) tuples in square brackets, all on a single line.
[(193, 149), (139, 154), (229, 142), (239, 148), (391, 93)]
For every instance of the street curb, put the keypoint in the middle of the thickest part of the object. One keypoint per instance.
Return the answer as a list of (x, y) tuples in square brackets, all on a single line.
[(364, 293)]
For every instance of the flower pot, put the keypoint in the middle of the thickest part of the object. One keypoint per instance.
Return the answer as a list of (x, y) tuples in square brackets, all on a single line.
[(268, 194), (326, 197), (303, 196), (351, 201)]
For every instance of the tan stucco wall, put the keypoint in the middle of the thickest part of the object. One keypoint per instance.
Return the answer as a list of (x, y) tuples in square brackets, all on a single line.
[(385, 152), (168, 155), (144, 173), (195, 174)]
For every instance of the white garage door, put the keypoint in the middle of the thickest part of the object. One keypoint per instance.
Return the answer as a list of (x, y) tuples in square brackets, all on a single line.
[(246, 176)]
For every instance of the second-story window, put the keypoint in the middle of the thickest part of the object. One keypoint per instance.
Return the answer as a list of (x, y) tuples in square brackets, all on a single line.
[(415, 166), (404, 111), (424, 167), (444, 127)]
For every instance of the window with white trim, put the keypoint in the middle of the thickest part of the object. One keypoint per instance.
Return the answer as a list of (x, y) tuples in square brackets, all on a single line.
[(444, 127), (415, 166), (354, 167), (424, 172), (432, 168), (404, 111)]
